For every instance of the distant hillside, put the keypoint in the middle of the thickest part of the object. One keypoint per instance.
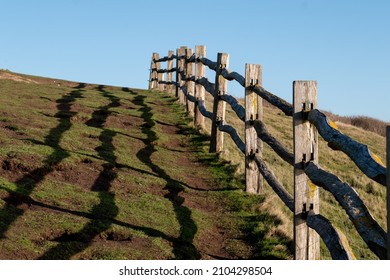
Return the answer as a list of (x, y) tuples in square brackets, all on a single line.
[(367, 123)]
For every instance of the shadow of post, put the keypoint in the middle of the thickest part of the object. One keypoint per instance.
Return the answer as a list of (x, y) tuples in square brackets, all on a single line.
[(102, 214), (25, 186), (183, 247)]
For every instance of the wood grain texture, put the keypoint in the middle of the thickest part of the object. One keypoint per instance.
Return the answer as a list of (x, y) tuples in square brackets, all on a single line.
[(188, 96), (201, 104), (278, 102), (219, 106), (200, 51), (230, 76), (253, 184), (274, 183), (203, 109), (347, 197), (233, 134), (190, 84), (210, 64), (335, 241), (180, 53), (169, 76), (274, 143), (153, 81), (237, 107), (166, 58), (160, 75), (306, 194), (208, 86), (151, 74), (357, 152), (177, 77)]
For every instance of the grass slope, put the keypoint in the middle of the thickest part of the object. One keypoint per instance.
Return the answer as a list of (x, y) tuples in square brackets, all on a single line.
[(99, 172)]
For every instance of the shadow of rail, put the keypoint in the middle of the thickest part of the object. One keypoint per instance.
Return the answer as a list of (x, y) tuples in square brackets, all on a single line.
[(25, 186), (183, 247), (103, 213)]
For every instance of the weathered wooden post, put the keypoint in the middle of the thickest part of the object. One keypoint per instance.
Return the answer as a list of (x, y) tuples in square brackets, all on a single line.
[(169, 86), (177, 88), (153, 80), (306, 194), (253, 111), (180, 53), (200, 52), (151, 73), (219, 106), (160, 76), (190, 84), (387, 190)]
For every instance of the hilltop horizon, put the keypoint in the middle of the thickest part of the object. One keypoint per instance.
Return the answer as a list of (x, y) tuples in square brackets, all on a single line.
[(360, 120)]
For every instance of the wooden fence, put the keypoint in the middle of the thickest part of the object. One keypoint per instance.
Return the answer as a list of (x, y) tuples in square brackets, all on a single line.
[(190, 85)]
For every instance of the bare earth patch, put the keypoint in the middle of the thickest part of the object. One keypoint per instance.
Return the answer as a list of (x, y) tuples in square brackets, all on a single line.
[(14, 77)]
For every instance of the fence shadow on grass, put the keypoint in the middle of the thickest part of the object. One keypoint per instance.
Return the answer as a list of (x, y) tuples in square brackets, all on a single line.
[(183, 247), (25, 186), (103, 213)]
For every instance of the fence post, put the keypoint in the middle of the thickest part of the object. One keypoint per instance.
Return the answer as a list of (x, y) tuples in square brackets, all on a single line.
[(177, 88), (253, 110), (179, 69), (153, 80), (169, 86), (388, 186), (151, 73), (306, 194), (189, 84), (160, 77), (260, 118), (200, 52), (219, 106)]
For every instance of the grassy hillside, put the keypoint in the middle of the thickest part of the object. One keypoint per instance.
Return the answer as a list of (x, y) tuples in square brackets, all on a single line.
[(99, 172)]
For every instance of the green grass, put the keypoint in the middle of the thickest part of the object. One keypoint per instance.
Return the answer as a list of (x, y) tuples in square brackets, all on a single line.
[(94, 172), (245, 211)]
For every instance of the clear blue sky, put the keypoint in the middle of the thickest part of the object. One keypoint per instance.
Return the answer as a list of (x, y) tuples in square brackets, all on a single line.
[(343, 44)]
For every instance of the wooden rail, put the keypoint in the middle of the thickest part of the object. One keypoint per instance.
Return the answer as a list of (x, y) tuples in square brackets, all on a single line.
[(309, 225)]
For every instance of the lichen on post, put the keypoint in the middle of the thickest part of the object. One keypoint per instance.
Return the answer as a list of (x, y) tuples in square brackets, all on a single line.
[(253, 145), (306, 195)]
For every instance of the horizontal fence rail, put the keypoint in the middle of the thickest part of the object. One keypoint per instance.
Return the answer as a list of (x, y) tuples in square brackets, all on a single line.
[(309, 226)]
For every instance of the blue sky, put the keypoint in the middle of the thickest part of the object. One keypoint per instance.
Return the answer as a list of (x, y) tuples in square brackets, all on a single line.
[(343, 44)]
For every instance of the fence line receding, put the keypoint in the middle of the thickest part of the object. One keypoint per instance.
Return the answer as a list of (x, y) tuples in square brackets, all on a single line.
[(189, 87)]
